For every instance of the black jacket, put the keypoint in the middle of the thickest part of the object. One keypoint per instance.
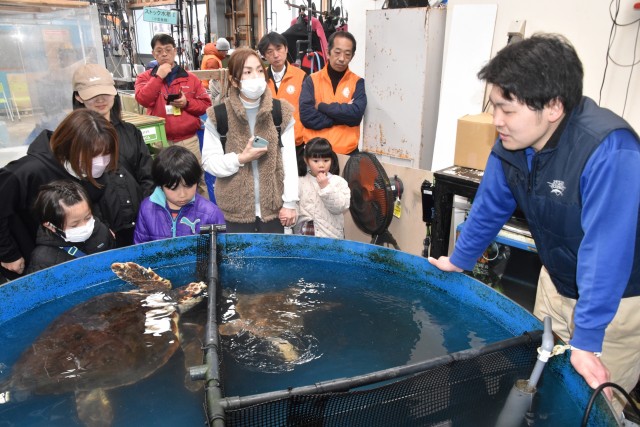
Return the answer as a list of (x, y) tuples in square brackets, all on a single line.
[(20, 183), (134, 155), (50, 250), (127, 185)]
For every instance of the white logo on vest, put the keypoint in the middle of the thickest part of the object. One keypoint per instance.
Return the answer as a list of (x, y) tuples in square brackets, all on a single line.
[(346, 92), (291, 89), (557, 187)]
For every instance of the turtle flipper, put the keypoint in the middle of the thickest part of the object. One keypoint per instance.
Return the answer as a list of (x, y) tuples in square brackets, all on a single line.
[(288, 352), (137, 275), (94, 408), (191, 335), (232, 327)]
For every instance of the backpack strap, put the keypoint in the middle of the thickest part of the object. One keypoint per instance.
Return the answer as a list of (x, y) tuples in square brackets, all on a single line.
[(73, 251), (222, 123), (276, 114)]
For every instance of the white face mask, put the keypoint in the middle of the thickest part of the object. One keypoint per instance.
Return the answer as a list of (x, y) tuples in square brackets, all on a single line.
[(253, 88), (99, 165), (79, 234)]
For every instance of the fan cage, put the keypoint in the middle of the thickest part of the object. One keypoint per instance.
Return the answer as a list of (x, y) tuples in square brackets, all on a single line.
[(372, 197)]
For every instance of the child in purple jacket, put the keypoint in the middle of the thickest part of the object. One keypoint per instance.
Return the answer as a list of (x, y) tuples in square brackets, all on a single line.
[(174, 209)]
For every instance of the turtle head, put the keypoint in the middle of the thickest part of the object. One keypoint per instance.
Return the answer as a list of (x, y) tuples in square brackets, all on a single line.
[(190, 295)]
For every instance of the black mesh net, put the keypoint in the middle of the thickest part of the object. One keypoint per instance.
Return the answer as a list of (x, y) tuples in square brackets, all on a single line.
[(456, 392), (203, 250)]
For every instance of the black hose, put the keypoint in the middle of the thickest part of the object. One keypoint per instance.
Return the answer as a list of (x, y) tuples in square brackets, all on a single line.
[(597, 391)]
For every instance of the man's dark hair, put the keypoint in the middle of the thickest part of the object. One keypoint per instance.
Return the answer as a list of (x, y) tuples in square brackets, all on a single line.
[(163, 39), (271, 38), (536, 71), (174, 165), (343, 34)]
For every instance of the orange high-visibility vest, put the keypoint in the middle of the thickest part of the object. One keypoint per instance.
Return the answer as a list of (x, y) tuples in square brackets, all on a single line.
[(290, 88), (344, 139), (203, 66)]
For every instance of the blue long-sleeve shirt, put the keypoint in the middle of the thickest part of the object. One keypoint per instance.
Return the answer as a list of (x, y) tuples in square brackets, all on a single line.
[(610, 194)]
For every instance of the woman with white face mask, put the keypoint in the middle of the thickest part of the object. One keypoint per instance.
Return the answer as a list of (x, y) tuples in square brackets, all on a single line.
[(68, 229), (94, 89), (81, 149), (256, 182)]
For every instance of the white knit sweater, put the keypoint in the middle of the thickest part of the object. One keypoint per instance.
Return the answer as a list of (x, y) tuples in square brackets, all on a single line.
[(324, 206)]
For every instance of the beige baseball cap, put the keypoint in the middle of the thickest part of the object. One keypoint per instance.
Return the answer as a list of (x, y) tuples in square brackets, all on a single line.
[(91, 80)]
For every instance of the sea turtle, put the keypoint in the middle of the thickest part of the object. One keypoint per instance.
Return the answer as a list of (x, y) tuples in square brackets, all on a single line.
[(275, 317), (111, 340)]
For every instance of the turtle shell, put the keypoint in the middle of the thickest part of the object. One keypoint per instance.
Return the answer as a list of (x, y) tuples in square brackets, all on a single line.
[(104, 342)]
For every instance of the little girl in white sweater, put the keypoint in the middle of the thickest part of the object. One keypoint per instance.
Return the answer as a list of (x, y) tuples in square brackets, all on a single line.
[(324, 194)]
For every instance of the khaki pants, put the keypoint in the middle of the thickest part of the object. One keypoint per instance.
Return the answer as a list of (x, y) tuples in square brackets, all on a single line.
[(621, 346), (193, 144)]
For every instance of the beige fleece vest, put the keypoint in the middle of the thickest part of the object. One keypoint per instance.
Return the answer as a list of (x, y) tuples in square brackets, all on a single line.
[(235, 194)]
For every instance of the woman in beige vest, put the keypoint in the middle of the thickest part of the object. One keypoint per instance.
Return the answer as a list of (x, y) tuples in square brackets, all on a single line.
[(256, 186)]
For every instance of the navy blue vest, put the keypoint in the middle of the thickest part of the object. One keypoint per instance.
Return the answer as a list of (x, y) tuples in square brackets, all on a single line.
[(554, 221)]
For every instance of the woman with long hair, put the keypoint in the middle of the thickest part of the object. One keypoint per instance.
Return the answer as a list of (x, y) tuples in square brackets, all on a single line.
[(82, 148), (256, 169)]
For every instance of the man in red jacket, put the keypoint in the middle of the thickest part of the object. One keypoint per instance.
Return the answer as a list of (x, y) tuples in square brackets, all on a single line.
[(169, 91)]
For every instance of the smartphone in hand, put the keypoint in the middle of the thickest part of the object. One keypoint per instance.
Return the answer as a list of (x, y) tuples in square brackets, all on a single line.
[(259, 142), (173, 97)]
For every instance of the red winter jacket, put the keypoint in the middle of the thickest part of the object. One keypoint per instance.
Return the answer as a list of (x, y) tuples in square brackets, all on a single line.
[(151, 92)]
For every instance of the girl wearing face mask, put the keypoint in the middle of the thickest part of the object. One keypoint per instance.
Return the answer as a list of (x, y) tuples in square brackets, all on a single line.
[(68, 229), (256, 187), (83, 148)]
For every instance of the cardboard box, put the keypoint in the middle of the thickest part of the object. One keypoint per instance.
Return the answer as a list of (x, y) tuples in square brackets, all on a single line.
[(475, 137)]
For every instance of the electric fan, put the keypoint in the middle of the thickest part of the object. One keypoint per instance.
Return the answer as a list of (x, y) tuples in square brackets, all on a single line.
[(372, 196)]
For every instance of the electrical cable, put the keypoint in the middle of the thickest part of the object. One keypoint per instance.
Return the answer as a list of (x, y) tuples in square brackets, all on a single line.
[(612, 35), (626, 95), (598, 390)]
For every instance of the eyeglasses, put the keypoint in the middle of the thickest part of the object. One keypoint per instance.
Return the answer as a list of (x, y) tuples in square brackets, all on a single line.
[(167, 50)]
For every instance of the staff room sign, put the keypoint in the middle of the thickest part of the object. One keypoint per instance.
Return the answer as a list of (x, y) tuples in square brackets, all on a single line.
[(163, 16)]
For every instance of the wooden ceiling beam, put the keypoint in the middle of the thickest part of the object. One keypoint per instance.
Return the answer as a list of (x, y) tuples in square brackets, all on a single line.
[(21, 4), (139, 4)]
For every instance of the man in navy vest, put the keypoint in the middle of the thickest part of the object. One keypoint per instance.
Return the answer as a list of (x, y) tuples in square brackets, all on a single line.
[(572, 168)]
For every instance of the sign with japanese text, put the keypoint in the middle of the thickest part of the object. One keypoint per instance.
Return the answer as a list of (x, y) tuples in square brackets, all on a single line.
[(163, 16)]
